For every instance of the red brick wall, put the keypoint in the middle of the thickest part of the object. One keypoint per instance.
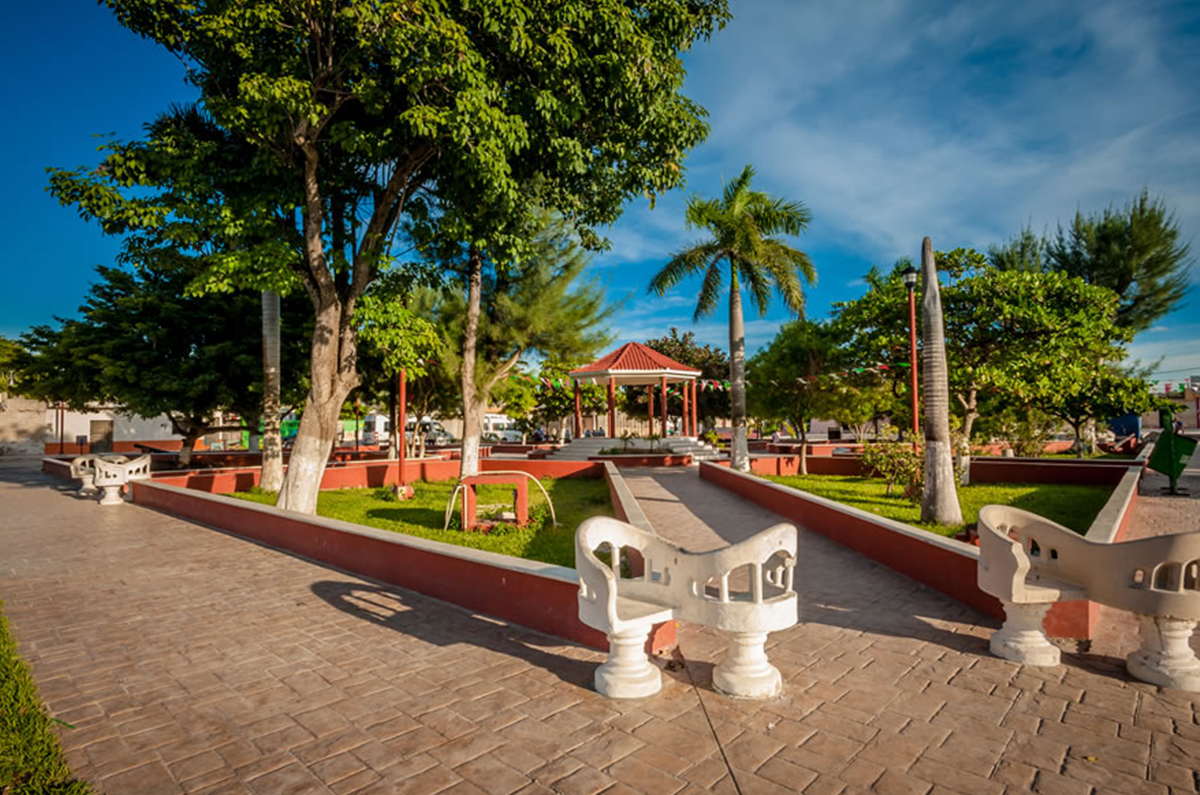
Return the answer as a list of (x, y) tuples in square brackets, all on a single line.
[(543, 603)]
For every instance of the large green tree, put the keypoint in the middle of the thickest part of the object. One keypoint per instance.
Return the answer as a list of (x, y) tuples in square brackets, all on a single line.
[(142, 343), (743, 250), (1009, 331), (790, 377), (364, 103), (541, 304), (1136, 252)]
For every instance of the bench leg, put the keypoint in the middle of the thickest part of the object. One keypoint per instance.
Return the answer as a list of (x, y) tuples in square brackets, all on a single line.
[(1165, 658), (745, 672), (87, 486), (112, 495), (628, 672), (1022, 639)]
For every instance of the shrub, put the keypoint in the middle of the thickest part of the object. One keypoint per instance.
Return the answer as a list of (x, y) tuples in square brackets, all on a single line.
[(898, 464)]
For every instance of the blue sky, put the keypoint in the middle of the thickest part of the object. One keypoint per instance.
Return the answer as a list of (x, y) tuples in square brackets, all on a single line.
[(890, 119)]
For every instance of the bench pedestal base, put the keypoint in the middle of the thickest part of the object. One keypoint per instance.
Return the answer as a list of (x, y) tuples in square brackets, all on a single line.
[(1023, 639), (112, 495), (745, 672), (628, 672), (87, 485), (1165, 658)]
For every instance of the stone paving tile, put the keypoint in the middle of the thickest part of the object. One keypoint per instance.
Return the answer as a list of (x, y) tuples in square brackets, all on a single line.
[(192, 661)]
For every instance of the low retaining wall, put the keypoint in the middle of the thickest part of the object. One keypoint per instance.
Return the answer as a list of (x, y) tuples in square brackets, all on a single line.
[(536, 595), (943, 564), (983, 470), (816, 465), (1049, 470)]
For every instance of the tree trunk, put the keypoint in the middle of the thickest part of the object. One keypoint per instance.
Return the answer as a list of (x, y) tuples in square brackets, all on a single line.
[(939, 503), (333, 378), (803, 426), (971, 406), (739, 451), (394, 419), (473, 408), (189, 446), (334, 367), (272, 448)]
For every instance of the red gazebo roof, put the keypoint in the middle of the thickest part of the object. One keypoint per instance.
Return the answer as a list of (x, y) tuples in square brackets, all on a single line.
[(634, 363)]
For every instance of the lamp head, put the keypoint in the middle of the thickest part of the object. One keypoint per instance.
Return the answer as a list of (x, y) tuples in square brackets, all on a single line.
[(910, 275)]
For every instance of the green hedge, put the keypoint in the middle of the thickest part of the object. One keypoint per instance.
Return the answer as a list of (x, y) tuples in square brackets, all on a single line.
[(31, 760)]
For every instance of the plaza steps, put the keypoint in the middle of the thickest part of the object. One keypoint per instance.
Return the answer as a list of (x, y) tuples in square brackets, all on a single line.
[(698, 450)]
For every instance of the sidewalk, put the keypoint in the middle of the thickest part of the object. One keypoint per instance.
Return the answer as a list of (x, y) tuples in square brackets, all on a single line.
[(192, 661)]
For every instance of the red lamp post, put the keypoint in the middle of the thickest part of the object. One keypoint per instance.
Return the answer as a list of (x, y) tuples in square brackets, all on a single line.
[(910, 281)]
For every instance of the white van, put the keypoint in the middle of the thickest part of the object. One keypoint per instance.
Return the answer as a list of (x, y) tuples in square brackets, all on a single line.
[(500, 428)]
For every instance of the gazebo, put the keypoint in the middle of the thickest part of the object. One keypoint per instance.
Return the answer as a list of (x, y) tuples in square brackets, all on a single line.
[(635, 364)]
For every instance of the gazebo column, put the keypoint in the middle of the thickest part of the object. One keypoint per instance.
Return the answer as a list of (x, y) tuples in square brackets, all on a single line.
[(664, 407), (612, 406), (695, 400), (578, 412), (650, 409), (684, 417)]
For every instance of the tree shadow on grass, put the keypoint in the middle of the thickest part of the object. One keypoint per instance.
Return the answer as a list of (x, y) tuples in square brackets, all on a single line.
[(440, 624), (429, 518)]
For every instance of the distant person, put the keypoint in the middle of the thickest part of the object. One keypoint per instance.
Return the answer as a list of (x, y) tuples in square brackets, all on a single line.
[(1178, 427)]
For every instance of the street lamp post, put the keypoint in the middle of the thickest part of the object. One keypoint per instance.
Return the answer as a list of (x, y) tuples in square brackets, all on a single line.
[(910, 281)]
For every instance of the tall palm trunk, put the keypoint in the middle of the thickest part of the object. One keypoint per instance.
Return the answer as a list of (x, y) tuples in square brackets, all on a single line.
[(272, 448), (939, 503), (737, 376)]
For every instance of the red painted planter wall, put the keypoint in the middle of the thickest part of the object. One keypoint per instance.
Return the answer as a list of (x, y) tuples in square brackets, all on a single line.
[(543, 603), (951, 573), (817, 465), (1032, 470), (941, 569)]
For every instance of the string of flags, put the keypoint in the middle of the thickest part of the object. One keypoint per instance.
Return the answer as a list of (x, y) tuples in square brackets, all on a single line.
[(708, 384)]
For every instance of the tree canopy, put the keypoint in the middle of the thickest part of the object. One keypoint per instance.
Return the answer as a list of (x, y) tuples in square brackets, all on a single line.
[(142, 343)]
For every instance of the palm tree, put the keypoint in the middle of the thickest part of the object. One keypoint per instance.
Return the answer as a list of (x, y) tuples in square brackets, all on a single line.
[(939, 502), (742, 224)]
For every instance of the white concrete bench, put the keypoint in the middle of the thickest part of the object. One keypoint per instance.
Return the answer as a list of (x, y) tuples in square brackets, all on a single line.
[(675, 584), (112, 475), (1029, 563), (83, 469)]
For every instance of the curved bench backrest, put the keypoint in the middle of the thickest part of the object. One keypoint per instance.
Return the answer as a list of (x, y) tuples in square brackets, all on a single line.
[(81, 464), (1153, 576), (118, 470), (674, 577)]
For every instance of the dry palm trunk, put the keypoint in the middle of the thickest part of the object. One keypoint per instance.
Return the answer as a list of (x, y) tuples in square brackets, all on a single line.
[(939, 502), (272, 445)]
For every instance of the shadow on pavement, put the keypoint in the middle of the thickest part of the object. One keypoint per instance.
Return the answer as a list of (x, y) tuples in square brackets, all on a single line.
[(401, 610)]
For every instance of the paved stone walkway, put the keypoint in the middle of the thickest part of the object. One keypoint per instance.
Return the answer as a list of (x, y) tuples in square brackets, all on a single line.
[(192, 661)]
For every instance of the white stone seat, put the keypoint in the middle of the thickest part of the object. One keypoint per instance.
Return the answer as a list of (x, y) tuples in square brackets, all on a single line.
[(1029, 563), (674, 584), (112, 476), (83, 469)]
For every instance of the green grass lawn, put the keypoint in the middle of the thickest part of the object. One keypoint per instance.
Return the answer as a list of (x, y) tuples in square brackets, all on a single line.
[(30, 758), (1070, 505), (575, 499)]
